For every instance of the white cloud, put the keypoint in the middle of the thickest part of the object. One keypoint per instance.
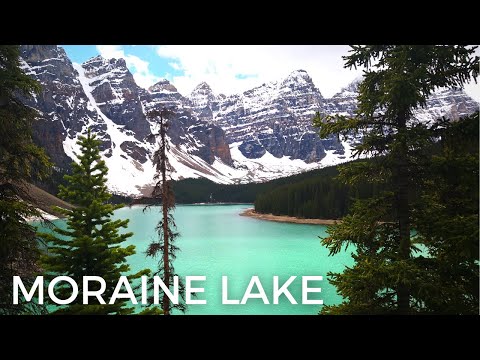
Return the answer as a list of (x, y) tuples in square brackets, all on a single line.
[(231, 69), (175, 66), (473, 90), (234, 68), (138, 67), (111, 51)]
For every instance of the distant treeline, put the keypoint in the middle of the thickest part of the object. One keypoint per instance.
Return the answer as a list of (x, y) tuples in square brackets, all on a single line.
[(202, 190), (317, 194), (320, 196), (199, 190), (312, 194)]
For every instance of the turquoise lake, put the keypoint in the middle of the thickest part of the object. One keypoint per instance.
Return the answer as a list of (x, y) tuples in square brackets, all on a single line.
[(215, 240)]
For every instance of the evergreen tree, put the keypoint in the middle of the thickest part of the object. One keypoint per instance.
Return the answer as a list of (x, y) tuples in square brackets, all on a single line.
[(317, 197), (20, 162), (386, 276), (447, 220), (91, 244), (165, 247)]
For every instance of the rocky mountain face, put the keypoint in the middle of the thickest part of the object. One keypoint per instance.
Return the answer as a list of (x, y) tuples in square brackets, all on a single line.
[(452, 103), (274, 117), (63, 106), (194, 134), (116, 94), (258, 135), (102, 94), (345, 101)]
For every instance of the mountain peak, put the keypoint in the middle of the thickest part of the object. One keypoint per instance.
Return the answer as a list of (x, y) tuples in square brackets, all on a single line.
[(94, 59), (99, 62), (162, 86), (299, 74), (43, 52), (299, 77), (203, 85), (202, 88), (202, 96), (299, 80), (351, 90)]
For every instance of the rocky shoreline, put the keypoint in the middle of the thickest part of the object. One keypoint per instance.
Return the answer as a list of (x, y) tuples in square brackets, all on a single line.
[(288, 219)]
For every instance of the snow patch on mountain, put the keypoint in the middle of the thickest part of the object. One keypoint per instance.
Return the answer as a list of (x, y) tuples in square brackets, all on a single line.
[(126, 175), (186, 166), (266, 167)]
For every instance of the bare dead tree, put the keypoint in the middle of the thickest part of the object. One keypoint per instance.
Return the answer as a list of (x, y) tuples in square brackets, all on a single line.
[(164, 247)]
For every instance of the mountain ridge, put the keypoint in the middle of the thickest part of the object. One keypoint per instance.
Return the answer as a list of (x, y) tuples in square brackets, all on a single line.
[(257, 135)]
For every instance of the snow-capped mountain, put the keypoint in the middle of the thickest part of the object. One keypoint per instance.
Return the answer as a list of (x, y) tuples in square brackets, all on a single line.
[(102, 94), (274, 117), (258, 135)]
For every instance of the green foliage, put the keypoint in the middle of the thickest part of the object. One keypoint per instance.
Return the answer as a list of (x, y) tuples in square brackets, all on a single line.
[(319, 197), (20, 162), (12, 77), (319, 194), (189, 191), (91, 244), (423, 187), (447, 220)]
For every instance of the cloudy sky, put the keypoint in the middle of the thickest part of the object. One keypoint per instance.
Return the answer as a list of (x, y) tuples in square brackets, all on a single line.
[(231, 69)]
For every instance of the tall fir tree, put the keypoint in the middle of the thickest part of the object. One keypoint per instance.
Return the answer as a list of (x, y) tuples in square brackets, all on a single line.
[(447, 220), (91, 245), (164, 248), (21, 162), (387, 277)]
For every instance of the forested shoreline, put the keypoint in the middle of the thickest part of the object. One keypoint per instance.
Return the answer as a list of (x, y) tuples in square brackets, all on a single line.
[(317, 197)]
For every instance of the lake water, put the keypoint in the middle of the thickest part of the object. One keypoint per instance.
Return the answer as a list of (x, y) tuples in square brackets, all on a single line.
[(215, 240)]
